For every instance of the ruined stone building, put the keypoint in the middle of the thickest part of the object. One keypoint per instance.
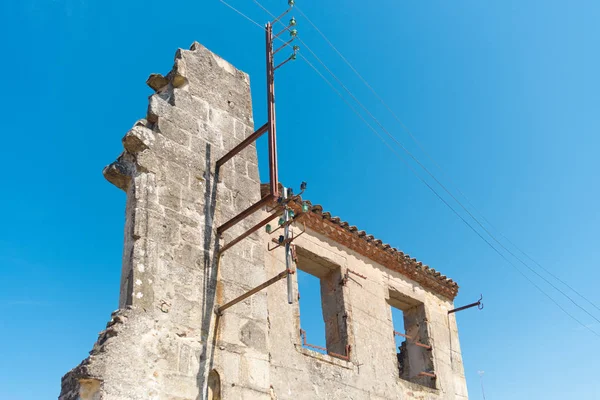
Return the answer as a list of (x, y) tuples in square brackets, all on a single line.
[(166, 341)]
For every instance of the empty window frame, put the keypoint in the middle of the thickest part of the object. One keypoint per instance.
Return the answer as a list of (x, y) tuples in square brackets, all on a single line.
[(319, 281), (415, 359)]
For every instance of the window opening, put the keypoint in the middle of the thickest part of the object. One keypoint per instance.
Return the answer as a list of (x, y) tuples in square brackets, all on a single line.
[(311, 313), (413, 351), (322, 308)]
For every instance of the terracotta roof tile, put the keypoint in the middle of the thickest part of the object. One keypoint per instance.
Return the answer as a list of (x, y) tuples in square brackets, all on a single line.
[(389, 256)]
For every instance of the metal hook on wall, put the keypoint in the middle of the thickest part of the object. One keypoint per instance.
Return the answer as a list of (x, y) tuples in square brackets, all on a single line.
[(478, 303)]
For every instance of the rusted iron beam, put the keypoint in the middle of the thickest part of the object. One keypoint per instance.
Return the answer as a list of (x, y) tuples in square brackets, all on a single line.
[(290, 222), (283, 46), (343, 357), (423, 345), (258, 133), (330, 353), (356, 273), (286, 61), (403, 335), (478, 303), (304, 343), (251, 230), (257, 289), (285, 241), (429, 374), (253, 208), (282, 15)]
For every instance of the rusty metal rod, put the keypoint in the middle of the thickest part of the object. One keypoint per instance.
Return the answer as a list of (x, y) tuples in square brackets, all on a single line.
[(331, 353), (258, 133), (254, 207), (287, 28), (478, 303), (304, 343), (343, 357), (429, 374), (257, 289), (356, 273), (283, 63), (282, 15), (403, 335), (283, 46), (250, 231), (425, 346), (293, 220), (285, 241)]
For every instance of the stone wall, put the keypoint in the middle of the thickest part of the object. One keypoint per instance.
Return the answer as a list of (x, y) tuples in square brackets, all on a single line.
[(298, 372), (166, 342), (159, 344)]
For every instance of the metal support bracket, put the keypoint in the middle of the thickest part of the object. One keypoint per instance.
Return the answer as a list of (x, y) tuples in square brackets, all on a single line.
[(347, 276), (345, 357), (478, 303), (256, 227), (278, 277), (286, 241), (413, 341)]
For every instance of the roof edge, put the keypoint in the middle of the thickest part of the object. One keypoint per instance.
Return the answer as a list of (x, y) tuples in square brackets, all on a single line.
[(374, 249)]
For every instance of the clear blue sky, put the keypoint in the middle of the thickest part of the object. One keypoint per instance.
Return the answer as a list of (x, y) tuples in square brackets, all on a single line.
[(504, 95)]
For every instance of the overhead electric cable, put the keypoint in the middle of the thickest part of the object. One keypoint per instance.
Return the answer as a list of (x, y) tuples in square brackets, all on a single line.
[(415, 159), (446, 203), (424, 181), (421, 147)]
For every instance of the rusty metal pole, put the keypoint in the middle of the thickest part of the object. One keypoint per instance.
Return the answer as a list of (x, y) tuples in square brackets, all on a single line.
[(288, 251), (273, 178)]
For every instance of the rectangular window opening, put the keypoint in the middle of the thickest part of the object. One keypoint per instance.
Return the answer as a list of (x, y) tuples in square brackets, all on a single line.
[(413, 350), (322, 309)]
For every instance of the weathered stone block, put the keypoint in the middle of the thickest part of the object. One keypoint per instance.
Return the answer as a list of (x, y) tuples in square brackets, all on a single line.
[(172, 131), (195, 106)]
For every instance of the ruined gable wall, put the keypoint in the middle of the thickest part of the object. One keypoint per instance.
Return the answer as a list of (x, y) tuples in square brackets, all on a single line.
[(372, 372), (165, 342), (161, 342)]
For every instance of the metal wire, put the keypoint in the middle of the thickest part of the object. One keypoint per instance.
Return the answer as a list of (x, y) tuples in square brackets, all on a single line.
[(242, 14), (439, 167), (445, 202), (415, 159), (424, 181)]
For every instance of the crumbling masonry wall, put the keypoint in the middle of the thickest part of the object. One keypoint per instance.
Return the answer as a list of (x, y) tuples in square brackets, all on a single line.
[(298, 372), (166, 343), (160, 343)]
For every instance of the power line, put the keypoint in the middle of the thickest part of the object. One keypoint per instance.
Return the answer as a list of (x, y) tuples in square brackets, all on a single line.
[(415, 159), (445, 202), (481, 382), (424, 181), (439, 167), (242, 14)]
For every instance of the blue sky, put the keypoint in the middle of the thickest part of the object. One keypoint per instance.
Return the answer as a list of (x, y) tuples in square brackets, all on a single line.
[(504, 95)]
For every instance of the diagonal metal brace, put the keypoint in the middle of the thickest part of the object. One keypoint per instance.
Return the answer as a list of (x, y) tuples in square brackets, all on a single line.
[(278, 277)]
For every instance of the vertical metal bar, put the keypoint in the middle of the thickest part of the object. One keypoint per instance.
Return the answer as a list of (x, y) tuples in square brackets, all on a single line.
[(273, 179), (288, 252)]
